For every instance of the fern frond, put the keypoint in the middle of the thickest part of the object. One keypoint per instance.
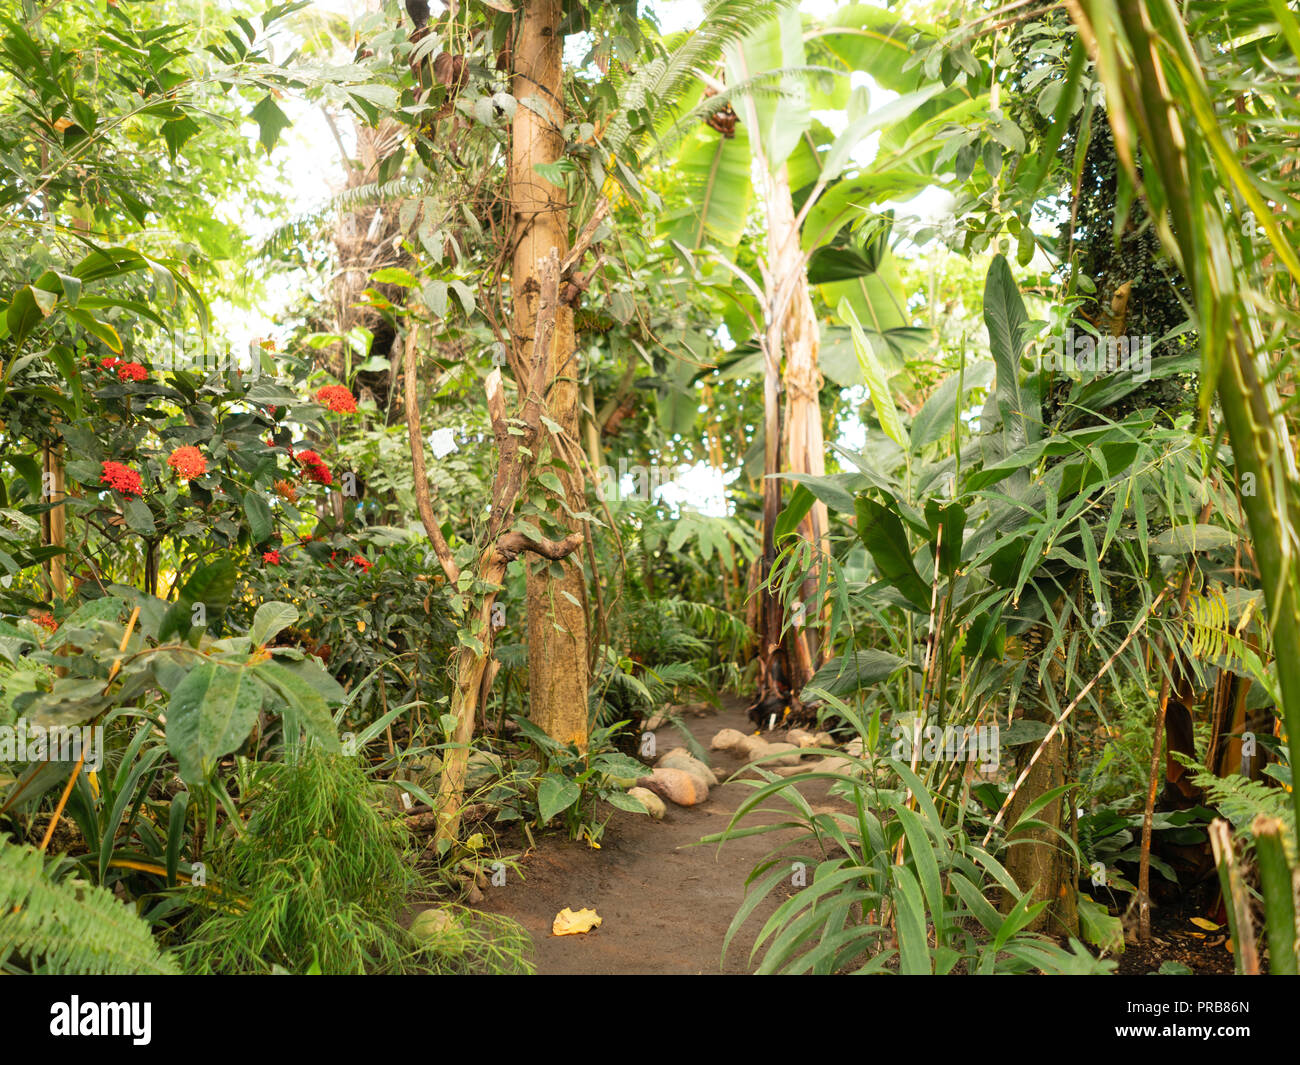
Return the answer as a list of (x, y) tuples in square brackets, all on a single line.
[(1210, 635), (665, 80), (310, 223), (68, 927), (1241, 801), (709, 621)]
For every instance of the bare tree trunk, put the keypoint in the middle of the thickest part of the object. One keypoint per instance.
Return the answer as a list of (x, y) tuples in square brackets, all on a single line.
[(54, 523), (786, 662), (801, 340), (557, 602)]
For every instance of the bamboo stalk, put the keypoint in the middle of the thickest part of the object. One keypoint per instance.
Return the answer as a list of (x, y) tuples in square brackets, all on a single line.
[(1279, 901), (1236, 898)]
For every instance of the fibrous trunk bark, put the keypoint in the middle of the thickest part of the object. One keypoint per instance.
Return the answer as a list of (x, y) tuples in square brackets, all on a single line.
[(557, 592), (801, 341), (786, 662)]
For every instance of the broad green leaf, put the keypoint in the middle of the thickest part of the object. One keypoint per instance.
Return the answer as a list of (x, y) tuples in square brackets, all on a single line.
[(258, 512), (270, 618), (312, 709), (883, 534), (210, 714), (555, 794), (271, 121)]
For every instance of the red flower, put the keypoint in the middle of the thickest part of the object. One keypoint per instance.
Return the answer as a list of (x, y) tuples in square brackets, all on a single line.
[(131, 371), (122, 478), (271, 558), (110, 362), (188, 462), (314, 469), (46, 621), (337, 398), (364, 563)]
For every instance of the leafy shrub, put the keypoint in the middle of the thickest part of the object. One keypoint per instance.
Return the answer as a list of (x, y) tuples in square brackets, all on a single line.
[(318, 881)]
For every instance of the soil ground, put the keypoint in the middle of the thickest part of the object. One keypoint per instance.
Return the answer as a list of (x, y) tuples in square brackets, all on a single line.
[(665, 901)]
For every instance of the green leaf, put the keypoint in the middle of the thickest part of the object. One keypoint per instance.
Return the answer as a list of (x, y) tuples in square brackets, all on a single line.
[(623, 801), (853, 672), (211, 585), (270, 619), (555, 794), (258, 512), (271, 121), (951, 517), (909, 919), (210, 714), (28, 307), (937, 417), (787, 522), (100, 330), (1184, 539), (1004, 315), (1099, 926), (874, 375), (139, 517), (395, 275), (310, 705), (883, 534)]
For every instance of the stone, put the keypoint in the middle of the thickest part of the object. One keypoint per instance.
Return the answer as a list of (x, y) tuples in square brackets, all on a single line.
[(677, 786), (681, 758), (801, 738), (728, 739), (654, 805)]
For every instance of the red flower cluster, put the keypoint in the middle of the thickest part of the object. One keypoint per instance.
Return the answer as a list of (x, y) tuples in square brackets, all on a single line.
[(337, 398), (131, 371), (110, 362), (271, 558), (46, 621), (364, 563), (188, 462), (314, 468), (122, 478)]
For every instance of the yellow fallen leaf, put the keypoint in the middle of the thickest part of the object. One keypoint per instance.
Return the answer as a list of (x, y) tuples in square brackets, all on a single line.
[(1201, 922), (568, 923)]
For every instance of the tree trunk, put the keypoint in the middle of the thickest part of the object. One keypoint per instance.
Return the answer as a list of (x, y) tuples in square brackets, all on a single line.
[(1037, 858), (801, 340), (786, 664), (53, 522), (557, 601)]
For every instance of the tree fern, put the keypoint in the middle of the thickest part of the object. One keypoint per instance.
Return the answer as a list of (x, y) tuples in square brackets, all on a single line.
[(67, 927)]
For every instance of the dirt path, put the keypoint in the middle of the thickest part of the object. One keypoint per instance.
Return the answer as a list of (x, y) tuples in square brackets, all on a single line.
[(665, 903)]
